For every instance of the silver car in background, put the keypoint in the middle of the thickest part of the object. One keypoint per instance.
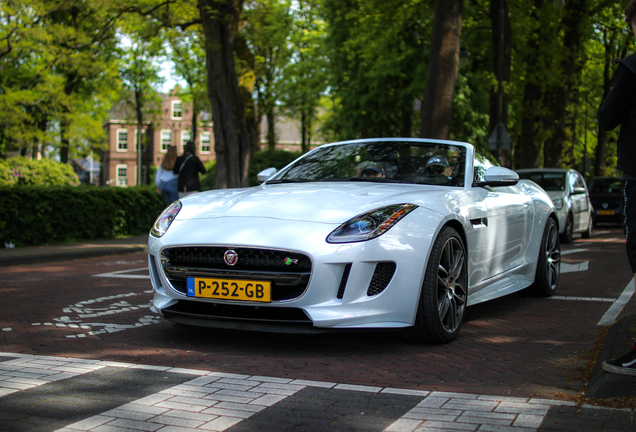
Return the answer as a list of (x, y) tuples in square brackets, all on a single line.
[(568, 191)]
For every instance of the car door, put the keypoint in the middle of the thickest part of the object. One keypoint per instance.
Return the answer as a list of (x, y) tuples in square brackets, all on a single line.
[(499, 236), (579, 200)]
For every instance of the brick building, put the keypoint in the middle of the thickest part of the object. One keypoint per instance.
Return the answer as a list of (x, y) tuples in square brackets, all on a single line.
[(172, 127)]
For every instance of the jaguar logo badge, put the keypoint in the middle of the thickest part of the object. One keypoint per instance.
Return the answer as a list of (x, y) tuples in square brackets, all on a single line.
[(230, 257), (289, 261)]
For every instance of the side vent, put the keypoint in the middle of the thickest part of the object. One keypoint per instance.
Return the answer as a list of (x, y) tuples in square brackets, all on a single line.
[(343, 281), (381, 277)]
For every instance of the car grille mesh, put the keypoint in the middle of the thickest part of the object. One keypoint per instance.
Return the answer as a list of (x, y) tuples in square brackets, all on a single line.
[(289, 272), (249, 259), (381, 277)]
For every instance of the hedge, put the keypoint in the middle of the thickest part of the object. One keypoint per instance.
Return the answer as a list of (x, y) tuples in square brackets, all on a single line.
[(27, 172), (37, 215)]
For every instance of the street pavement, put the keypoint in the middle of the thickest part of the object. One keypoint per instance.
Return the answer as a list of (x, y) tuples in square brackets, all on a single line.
[(62, 393)]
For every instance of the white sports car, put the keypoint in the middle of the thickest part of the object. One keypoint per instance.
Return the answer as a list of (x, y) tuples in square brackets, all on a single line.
[(376, 233)]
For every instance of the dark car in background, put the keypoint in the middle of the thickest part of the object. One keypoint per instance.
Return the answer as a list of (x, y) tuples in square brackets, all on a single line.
[(606, 194)]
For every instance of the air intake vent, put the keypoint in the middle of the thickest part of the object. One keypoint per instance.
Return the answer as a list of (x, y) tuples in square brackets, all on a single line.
[(381, 277), (343, 282)]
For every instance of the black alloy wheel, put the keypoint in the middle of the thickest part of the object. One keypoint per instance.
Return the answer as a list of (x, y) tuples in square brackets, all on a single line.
[(444, 293)]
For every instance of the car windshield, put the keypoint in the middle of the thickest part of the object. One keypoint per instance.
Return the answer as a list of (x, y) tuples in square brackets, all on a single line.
[(381, 161), (549, 181), (606, 186)]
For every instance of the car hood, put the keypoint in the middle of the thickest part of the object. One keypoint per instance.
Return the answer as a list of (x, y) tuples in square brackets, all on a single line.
[(312, 202), (556, 194)]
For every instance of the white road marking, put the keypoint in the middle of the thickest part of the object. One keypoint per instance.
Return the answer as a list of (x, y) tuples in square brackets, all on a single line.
[(617, 307), (597, 299), (577, 267), (80, 316), (123, 274), (571, 251)]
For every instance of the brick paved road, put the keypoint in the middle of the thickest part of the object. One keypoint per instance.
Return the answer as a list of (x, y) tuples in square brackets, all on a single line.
[(519, 346)]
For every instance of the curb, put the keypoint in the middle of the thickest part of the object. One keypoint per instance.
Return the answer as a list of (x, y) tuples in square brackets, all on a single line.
[(618, 341), (69, 255)]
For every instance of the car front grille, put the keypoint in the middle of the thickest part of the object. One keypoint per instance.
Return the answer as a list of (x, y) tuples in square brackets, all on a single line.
[(289, 272)]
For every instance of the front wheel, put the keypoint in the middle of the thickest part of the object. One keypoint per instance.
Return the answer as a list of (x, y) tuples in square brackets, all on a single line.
[(444, 293), (549, 264)]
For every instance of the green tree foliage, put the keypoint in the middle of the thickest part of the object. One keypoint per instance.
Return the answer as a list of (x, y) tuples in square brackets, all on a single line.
[(139, 74), (377, 67), (57, 62), (21, 171), (267, 31), (305, 75), (187, 52)]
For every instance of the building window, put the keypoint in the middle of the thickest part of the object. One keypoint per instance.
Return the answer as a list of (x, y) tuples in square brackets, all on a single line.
[(122, 175), (122, 140), (176, 110), (185, 137), (205, 142), (166, 140)]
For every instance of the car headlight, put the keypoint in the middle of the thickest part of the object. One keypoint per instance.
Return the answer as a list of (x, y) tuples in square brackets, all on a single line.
[(558, 203), (163, 222), (370, 225)]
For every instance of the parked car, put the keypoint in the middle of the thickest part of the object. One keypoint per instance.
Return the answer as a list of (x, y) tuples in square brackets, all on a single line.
[(570, 196), (606, 194), (377, 233)]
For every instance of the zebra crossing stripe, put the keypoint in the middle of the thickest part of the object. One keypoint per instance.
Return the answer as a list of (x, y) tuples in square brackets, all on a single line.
[(71, 395)]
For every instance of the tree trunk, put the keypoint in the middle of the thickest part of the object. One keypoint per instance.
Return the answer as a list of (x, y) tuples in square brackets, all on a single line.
[(437, 104), (571, 68), (529, 150), (65, 142), (194, 120), (140, 118), (232, 137), (495, 8), (304, 146), (271, 129)]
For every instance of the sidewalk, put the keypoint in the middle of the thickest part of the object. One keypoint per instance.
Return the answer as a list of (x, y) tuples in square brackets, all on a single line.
[(619, 338), (72, 251)]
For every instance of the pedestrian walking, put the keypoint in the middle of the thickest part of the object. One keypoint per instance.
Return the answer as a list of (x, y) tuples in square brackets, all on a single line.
[(165, 178), (188, 166), (619, 108)]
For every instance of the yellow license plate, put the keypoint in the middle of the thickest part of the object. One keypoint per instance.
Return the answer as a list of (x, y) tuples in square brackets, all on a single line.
[(605, 212), (230, 289)]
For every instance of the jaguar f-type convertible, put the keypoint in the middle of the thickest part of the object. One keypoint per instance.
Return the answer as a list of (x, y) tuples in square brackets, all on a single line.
[(391, 233)]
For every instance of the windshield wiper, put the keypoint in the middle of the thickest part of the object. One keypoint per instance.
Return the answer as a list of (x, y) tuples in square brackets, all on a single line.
[(378, 180), (289, 180)]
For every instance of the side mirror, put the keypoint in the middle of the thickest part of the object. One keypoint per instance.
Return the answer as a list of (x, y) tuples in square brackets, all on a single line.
[(578, 190), (499, 176), (266, 174)]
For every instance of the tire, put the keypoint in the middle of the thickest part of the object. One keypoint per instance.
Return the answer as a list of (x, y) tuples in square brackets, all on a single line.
[(548, 271), (590, 229), (444, 293), (568, 232)]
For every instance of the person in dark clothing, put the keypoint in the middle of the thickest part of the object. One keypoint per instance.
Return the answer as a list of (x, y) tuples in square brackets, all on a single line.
[(188, 166), (619, 108)]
